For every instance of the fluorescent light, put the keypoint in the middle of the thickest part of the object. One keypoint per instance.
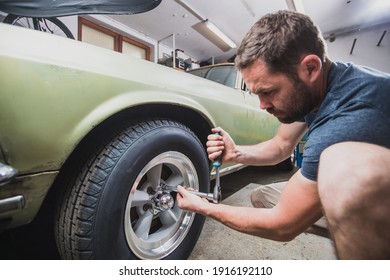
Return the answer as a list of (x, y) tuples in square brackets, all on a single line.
[(220, 34), (209, 30), (215, 35)]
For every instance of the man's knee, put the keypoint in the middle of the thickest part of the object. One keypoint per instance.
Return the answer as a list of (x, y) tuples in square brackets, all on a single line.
[(350, 173), (333, 177), (346, 162)]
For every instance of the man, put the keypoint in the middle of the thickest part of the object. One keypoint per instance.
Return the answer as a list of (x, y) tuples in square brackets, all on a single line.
[(343, 108)]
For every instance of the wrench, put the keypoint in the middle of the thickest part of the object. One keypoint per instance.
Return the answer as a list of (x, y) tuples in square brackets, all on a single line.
[(214, 197), (217, 188)]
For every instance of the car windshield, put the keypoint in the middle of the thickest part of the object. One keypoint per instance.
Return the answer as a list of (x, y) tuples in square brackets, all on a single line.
[(225, 75)]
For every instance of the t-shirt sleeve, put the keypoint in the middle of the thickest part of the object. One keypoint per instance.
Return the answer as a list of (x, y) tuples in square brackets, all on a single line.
[(357, 122)]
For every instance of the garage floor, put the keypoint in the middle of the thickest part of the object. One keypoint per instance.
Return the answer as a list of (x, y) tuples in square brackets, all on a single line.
[(218, 242)]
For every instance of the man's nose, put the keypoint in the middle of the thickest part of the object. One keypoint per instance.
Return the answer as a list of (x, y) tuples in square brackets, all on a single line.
[(264, 104)]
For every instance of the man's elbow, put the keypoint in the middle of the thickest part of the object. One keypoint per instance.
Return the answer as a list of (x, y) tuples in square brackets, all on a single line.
[(282, 232), (284, 235)]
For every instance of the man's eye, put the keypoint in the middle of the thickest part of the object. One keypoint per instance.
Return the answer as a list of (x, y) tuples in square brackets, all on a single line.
[(261, 93), (266, 93)]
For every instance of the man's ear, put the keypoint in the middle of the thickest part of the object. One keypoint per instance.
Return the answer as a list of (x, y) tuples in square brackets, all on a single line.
[(310, 68)]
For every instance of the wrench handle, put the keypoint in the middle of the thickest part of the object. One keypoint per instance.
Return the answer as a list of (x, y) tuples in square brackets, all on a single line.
[(218, 161), (208, 196)]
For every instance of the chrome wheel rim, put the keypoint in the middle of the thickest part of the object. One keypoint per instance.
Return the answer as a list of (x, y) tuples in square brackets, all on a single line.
[(154, 225)]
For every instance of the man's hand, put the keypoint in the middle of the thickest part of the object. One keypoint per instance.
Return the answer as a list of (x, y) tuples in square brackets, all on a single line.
[(221, 144), (191, 202)]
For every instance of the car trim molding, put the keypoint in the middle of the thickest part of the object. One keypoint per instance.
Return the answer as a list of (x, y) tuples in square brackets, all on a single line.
[(227, 170), (11, 204)]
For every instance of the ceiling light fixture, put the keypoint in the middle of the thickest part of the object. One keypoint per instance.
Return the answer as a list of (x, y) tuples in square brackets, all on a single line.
[(209, 30), (215, 35)]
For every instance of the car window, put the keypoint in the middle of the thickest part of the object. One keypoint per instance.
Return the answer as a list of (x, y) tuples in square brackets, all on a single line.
[(200, 72), (225, 75)]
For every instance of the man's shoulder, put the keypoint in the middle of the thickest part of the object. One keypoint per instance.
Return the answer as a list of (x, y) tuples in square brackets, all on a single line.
[(349, 83), (349, 69)]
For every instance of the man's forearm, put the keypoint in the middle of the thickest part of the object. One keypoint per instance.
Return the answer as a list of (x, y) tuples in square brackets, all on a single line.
[(262, 154), (254, 221), (273, 151)]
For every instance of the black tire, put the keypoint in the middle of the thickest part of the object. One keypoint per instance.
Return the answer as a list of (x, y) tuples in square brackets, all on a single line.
[(109, 212), (51, 25)]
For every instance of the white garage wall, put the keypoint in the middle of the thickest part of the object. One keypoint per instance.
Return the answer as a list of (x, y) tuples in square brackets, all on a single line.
[(366, 51)]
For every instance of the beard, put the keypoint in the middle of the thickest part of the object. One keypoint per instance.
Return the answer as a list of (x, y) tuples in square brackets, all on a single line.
[(298, 104)]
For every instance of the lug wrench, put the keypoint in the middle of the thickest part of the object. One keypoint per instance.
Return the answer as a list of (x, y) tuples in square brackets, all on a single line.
[(217, 188), (214, 197)]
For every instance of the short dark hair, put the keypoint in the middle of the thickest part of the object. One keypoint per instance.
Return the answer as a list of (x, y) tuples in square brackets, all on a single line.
[(280, 40)]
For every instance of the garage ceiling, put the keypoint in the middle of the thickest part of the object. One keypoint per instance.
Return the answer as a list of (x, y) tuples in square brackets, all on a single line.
[(235, 17)]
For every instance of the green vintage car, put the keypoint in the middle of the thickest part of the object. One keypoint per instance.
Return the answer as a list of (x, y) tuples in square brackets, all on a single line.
[(92, 136)]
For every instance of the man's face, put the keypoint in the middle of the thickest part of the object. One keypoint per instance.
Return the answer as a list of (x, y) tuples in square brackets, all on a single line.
[(288, 100)]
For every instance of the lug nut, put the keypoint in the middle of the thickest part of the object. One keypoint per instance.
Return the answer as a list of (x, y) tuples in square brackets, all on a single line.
[(150, 190), (146, 207)]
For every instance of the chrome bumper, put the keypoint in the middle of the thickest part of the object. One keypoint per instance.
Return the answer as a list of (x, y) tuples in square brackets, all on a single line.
[(7, 173), (14, 203)]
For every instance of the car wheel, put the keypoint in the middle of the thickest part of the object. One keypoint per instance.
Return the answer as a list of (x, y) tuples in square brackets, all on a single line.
[(118, 208)]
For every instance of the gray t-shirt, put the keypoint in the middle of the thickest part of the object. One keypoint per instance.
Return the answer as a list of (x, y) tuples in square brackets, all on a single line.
[(356, 108)]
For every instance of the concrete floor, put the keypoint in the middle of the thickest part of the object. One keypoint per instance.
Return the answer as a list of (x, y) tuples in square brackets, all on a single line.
[(218, 242)]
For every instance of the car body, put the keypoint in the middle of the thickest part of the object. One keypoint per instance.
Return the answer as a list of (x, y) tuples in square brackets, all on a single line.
[(97, 135)]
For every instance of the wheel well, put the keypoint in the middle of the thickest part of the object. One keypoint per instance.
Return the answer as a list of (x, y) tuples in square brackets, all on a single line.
[(193, 120), (111, 126)]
